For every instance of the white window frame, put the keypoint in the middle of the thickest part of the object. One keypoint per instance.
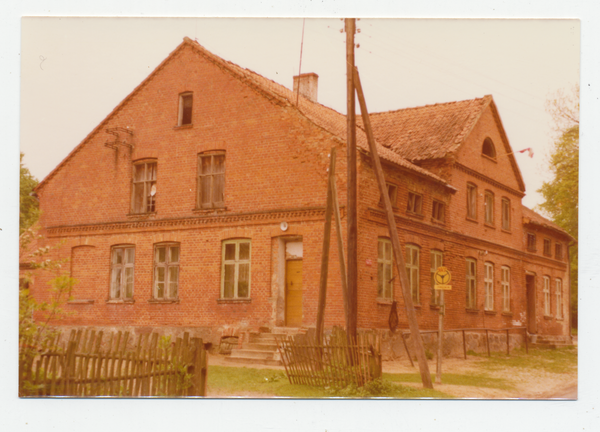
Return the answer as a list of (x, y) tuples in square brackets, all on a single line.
[(170, 266), (385, 261), (412, 271), (506, 214), (505, 288), (546, 291), (118, 288), (200, 175), (149, 186), (488, 202), (472, 201), (437, 260), (415, 203), (488, 280), (559, 301), (236, 263), (471, 288)]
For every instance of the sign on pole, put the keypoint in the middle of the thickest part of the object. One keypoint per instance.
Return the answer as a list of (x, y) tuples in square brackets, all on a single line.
[(442, 278)]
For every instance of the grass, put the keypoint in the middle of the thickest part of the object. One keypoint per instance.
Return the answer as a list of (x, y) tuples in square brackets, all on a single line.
[(473, 380), (561, 360), (233, 381)]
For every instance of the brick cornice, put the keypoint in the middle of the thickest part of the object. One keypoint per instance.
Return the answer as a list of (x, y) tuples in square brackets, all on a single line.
[(251, 218), (487, 179)]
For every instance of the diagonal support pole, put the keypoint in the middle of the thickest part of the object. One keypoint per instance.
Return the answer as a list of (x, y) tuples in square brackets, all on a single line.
[(398, 255)]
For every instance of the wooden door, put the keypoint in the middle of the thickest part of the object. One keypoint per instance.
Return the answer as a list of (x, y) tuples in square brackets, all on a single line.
[(531, 318), (293, 293)]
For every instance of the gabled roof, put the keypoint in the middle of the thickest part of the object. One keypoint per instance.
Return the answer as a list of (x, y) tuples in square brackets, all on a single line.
[(324, 117), (532, 218), (434, 131), (430, 131)]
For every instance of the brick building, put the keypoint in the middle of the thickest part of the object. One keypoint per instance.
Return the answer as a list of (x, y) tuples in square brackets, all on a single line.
[(199, 203)]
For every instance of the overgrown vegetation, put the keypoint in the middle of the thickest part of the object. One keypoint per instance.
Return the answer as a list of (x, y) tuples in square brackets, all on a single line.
[(28, 205), (561, 360), (232, 381)]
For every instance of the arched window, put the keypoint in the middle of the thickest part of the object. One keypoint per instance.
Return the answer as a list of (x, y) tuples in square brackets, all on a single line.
[(488, 148)]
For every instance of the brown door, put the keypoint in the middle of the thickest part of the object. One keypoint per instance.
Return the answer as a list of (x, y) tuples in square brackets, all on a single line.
[(531, 318), (293, 293)]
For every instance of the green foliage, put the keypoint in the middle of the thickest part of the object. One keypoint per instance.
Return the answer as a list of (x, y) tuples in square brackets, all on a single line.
[(560, 360), (561, 194), (428, 354), (28, 206)]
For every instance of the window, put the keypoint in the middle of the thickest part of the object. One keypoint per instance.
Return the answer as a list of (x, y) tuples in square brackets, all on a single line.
[(143, 199), (506, 214), (392, 193), (471, 283), (489, 286), (559, 303), (415, 203), (211, 180), (412, 271), (489, 208), (505, 289), (531, 242), (166, 272), (558, 251), (439, 211), (547, 310), (488, 148), (235, 271), (185, 109), (471, 201), (384, 269), (437, 260), (547, 247), (121, 273)]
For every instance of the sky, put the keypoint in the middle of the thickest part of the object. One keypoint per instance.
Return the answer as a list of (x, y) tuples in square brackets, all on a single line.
[(74, 71), (83, 75)]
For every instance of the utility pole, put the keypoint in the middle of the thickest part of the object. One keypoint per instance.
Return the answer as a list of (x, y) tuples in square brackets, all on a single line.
[(352, 312)]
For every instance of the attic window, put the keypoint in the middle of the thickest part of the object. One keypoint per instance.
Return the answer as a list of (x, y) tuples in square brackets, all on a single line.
[(488, 148), (185, 109)]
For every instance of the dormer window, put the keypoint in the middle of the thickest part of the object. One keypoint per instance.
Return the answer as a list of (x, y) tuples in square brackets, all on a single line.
[(185, 109), (488, 149)]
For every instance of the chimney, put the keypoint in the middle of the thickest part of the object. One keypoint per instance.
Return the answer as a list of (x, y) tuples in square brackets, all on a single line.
[(308, 83)]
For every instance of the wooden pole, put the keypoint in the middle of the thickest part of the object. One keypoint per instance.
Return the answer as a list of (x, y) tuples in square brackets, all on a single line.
[(340, 238), (351, 317), (438, 372), (398, 255), (325, 252)]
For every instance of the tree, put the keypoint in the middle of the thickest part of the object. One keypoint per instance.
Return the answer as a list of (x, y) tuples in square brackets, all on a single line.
[(28, 205), (561, 194)]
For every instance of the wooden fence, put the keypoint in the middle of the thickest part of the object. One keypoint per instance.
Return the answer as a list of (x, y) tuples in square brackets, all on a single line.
[(336, 363), (82, 367)]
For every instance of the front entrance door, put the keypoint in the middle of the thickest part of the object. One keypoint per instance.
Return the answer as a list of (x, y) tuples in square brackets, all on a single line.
[(531, 318), (293, 293)]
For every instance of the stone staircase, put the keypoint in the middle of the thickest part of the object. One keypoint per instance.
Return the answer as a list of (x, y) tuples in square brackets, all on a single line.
[(260, 347), (549, 342)]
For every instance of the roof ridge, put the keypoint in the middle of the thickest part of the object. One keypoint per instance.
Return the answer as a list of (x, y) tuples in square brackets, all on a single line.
[(431, 105)]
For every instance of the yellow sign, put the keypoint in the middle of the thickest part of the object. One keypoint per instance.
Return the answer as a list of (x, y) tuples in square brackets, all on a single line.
[(443, 287), (442, 276)]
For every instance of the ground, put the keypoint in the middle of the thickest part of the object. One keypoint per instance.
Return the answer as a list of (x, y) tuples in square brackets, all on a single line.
[(541, 374)]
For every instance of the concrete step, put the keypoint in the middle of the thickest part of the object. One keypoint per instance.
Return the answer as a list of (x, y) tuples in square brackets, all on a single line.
[(264, 346), (252, 353), (252, 361)]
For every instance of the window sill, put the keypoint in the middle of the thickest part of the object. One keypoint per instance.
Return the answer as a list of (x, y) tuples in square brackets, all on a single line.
[(491, 159), (434, 306), (163, 301), (81, 301), (120, 301), (185, 126), (472, 220), (506, 231), (417, 306), (209, 210), (415, 215), (490, 312), (384, 301), (472, 311), (548, 255), (548, 317), (489, 225), (141, 215), (507, 314), (234, 301), (531, 250), (560, 319), (438, 222)]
